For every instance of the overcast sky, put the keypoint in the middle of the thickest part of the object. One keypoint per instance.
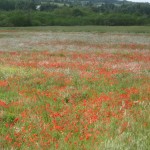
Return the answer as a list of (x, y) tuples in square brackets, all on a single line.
[(140, 0)]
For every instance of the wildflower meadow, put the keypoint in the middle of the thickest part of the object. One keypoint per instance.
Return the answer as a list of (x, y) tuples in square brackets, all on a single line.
[(74, 90)]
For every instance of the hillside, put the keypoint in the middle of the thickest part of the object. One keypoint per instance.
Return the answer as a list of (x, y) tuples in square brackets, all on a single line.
[(84, 2)]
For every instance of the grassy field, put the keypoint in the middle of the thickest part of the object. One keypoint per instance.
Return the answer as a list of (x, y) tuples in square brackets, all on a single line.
[(99, 29), (75, 90)]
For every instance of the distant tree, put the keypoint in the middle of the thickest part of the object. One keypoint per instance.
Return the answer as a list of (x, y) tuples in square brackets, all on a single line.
[(48, 7), (77, 12), (26, 4), (7, 5)]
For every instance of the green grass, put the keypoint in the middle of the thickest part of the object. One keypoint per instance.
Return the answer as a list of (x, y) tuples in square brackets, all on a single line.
[(99, 29)]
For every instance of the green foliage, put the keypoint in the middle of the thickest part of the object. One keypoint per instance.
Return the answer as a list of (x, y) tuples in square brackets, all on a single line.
[(9, 118), (25, 5), (24, 13), (20, 18), (7, 5), (48, 7), (77, 12)]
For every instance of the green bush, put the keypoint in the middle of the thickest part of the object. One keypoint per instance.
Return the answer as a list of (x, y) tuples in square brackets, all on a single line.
[(75, 17)]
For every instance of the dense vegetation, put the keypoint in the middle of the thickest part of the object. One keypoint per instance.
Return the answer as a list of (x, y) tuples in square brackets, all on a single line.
[(26, 13)]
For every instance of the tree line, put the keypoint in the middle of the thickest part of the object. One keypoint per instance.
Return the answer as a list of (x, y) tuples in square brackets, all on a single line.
[(30, 13)]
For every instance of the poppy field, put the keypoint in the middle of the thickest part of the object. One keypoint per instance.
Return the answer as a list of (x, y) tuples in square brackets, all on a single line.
[(74, 91)]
